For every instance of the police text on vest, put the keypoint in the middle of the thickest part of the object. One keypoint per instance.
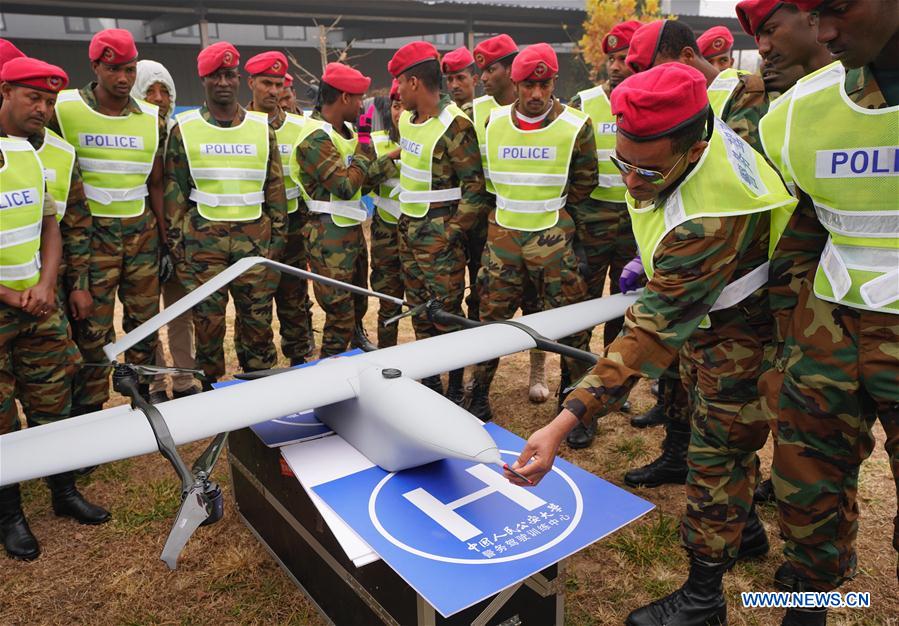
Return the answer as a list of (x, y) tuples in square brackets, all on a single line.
[(528, 153), (114, 142), (18, 198), (410, 146), (857, 162), (228, 149)]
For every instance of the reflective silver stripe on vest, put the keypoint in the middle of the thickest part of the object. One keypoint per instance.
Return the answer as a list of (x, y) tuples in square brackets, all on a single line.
[(21, 272), (16, 236), (434, 195), (520, 178), (603, 155), (610, 180), (109, 166), (881, 291), (836, 261), (292, 192), (108, 196), (227, 199), (723, 84), (742, 288), (859, 223), (392, 182), (422, 176), (227, 173), (60, 207), (344, 208), (835, 270), (530, 206), (391, 206)]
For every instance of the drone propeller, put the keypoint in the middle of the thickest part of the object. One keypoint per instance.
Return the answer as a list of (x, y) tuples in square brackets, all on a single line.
[(148, 370), (257, 374)]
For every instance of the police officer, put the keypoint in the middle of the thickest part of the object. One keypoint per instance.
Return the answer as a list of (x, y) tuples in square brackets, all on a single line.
[(461, 75), (386, 268), (441, 195), (225, 200), (267, 72), (715, 46), (288, 98), (494, 58), (700, 200), (330, 163), (835, 291), (119, 143), (35, 347), (541, 156), (604, 227)]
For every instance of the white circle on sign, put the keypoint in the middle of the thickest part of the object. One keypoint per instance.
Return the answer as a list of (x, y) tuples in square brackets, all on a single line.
[(578, 513)]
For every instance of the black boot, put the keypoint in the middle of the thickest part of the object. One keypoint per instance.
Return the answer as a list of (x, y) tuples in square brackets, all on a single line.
[(361, 340), (785, 577), (297, 361), (754, 542), (68, 502), (805, 616), (764, 493), (653, 417), (479, 402), (455, 389), (17, 538), (581, 436), (699, 601), (671, 467)]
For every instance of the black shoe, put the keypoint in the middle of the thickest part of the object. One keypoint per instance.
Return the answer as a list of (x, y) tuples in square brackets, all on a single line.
[(699, 601), (804, 616), (297, 361), (207, 383), (17, 538), (157, 397), (455, 388), (754, 542), (653, 417), (479, 402), (671, 466), (626, 407), (764, 493), (581, 436), (68, 502), (190, 391), (785, 577), (361, 340)]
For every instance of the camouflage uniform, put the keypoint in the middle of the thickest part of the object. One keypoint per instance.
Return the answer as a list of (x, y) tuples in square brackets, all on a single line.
[(603, 232), (431, 247), (544, 258), (36, 359), (719, 365), (334, 251), (292, 293), (836, 372), (203, 248), (475, 241)]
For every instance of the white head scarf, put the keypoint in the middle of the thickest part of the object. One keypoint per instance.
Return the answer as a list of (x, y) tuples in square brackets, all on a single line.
[(149, 72)]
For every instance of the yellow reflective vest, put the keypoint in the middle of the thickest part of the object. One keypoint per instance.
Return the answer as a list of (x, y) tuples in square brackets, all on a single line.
[(21, 213), (595, 103)]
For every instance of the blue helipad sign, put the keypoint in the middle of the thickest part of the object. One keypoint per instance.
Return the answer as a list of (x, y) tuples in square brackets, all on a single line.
[(459, 532)]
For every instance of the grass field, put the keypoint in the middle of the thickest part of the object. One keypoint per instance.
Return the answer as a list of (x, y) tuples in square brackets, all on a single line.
[(112, 574)]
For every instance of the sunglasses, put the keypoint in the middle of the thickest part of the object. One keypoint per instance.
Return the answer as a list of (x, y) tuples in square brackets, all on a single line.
[(650, 176)]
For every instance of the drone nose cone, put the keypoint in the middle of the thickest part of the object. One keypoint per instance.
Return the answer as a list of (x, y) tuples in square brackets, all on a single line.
[(489, 456)]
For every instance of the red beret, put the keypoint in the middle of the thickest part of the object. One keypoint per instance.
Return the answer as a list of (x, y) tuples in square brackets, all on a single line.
[(753, 13), (410, 55), (271, 63), (113, 46), (288, 80), (394, 90), (8, 51), (652, 104), (346, 78), (492, 50), (34, 73), (536, 62), (806, 5), (456, 61), (218, 55), (619, 37), (716, 40), (645, 46)]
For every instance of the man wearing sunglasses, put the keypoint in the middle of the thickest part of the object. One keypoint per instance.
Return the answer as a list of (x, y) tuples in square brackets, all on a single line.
[(835, 289), (700, 200)]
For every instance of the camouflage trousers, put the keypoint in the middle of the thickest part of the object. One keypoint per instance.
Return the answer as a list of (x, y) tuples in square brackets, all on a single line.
[(37, 362), (475, 242), (180, 333), (341, 253), (838, 374), (292, 296), (433, 267), (386, 275), (720, 368), (209, 248), (607, 241), (544, 258), (124, 261)]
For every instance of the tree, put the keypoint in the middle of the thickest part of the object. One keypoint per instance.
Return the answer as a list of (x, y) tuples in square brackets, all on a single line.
[(602, 15)]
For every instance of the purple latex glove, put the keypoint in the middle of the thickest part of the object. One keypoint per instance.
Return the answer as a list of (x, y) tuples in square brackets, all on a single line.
[(363, 126), (631, 276)]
